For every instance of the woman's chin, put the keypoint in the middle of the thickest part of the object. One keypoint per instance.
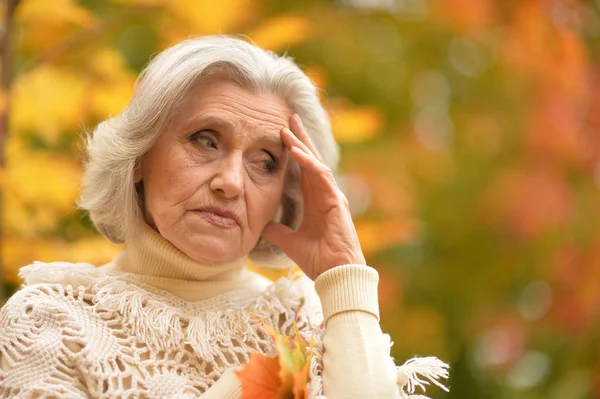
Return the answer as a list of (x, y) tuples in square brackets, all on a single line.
[(211, 250)]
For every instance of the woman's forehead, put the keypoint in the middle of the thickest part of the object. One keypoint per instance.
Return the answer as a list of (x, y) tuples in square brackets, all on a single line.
[(228, 106)]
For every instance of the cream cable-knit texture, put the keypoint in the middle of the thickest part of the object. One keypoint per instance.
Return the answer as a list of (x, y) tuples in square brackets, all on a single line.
[(134, 328)]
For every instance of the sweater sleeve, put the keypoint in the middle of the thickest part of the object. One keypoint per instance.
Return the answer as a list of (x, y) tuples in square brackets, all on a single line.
[(227, 387), (34, 359), (356, 359)]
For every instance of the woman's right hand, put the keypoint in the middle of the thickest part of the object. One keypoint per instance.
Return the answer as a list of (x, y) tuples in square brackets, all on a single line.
[(326, 237)]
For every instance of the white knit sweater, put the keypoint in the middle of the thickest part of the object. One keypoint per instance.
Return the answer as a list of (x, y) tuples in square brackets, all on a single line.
[(156, 324)]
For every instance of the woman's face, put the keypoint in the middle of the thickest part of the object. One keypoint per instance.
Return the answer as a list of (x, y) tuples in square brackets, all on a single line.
[(215, 176)]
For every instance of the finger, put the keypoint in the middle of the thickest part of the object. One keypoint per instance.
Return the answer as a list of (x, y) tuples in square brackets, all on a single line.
[(307, 161), (291, 141), (297, 128), (277, 234), (319, 174)]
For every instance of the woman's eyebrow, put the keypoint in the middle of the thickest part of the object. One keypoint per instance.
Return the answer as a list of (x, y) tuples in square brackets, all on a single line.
[(227, 126), (213, 121), (270, 140)]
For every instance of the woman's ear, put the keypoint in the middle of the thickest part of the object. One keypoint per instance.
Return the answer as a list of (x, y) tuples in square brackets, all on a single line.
[(137, 173)]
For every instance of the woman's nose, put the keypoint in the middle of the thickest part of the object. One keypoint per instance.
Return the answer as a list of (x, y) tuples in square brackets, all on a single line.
[(228, 180)]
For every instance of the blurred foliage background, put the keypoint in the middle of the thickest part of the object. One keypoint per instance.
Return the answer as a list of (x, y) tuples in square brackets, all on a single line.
[(471, 158)]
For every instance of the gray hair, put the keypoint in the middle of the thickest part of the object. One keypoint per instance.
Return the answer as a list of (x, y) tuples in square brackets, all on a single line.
[(116, 145)]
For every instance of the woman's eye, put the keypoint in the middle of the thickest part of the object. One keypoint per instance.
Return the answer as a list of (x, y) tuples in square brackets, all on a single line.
[(270, 165), (205, 140)]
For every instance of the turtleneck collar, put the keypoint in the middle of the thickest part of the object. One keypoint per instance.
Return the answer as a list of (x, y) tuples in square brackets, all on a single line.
[(151, 255)]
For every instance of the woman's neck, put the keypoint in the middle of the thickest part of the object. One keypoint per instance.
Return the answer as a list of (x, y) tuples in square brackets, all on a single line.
[(150, 254)]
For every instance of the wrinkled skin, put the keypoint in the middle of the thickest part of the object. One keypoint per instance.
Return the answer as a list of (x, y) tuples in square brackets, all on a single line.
[(229, 148)]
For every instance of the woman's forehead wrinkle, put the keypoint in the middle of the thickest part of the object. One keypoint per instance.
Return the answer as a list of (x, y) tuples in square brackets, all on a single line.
[(212, 121), (268, 116), (264, 123), (269, 105)]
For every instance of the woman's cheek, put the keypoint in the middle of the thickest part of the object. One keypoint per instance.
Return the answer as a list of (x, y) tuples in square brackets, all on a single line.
[(200, 158), (259, 178), (263, 202)]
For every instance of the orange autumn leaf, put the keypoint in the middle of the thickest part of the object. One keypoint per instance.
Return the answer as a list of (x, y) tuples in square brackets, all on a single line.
[(287, 368), (260, 377)]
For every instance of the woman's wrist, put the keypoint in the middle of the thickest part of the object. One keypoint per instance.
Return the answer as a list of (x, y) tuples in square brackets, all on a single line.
[(351, 259), (349, 287)]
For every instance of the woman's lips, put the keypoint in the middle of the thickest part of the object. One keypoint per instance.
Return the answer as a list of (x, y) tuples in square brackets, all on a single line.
[(217, 220)]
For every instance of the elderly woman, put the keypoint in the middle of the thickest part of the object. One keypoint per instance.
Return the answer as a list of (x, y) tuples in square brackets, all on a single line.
[(223, 155)]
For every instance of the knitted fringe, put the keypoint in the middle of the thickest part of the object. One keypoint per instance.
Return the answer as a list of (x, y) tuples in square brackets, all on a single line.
[(430, 368), (161, 324), (315, 370)]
